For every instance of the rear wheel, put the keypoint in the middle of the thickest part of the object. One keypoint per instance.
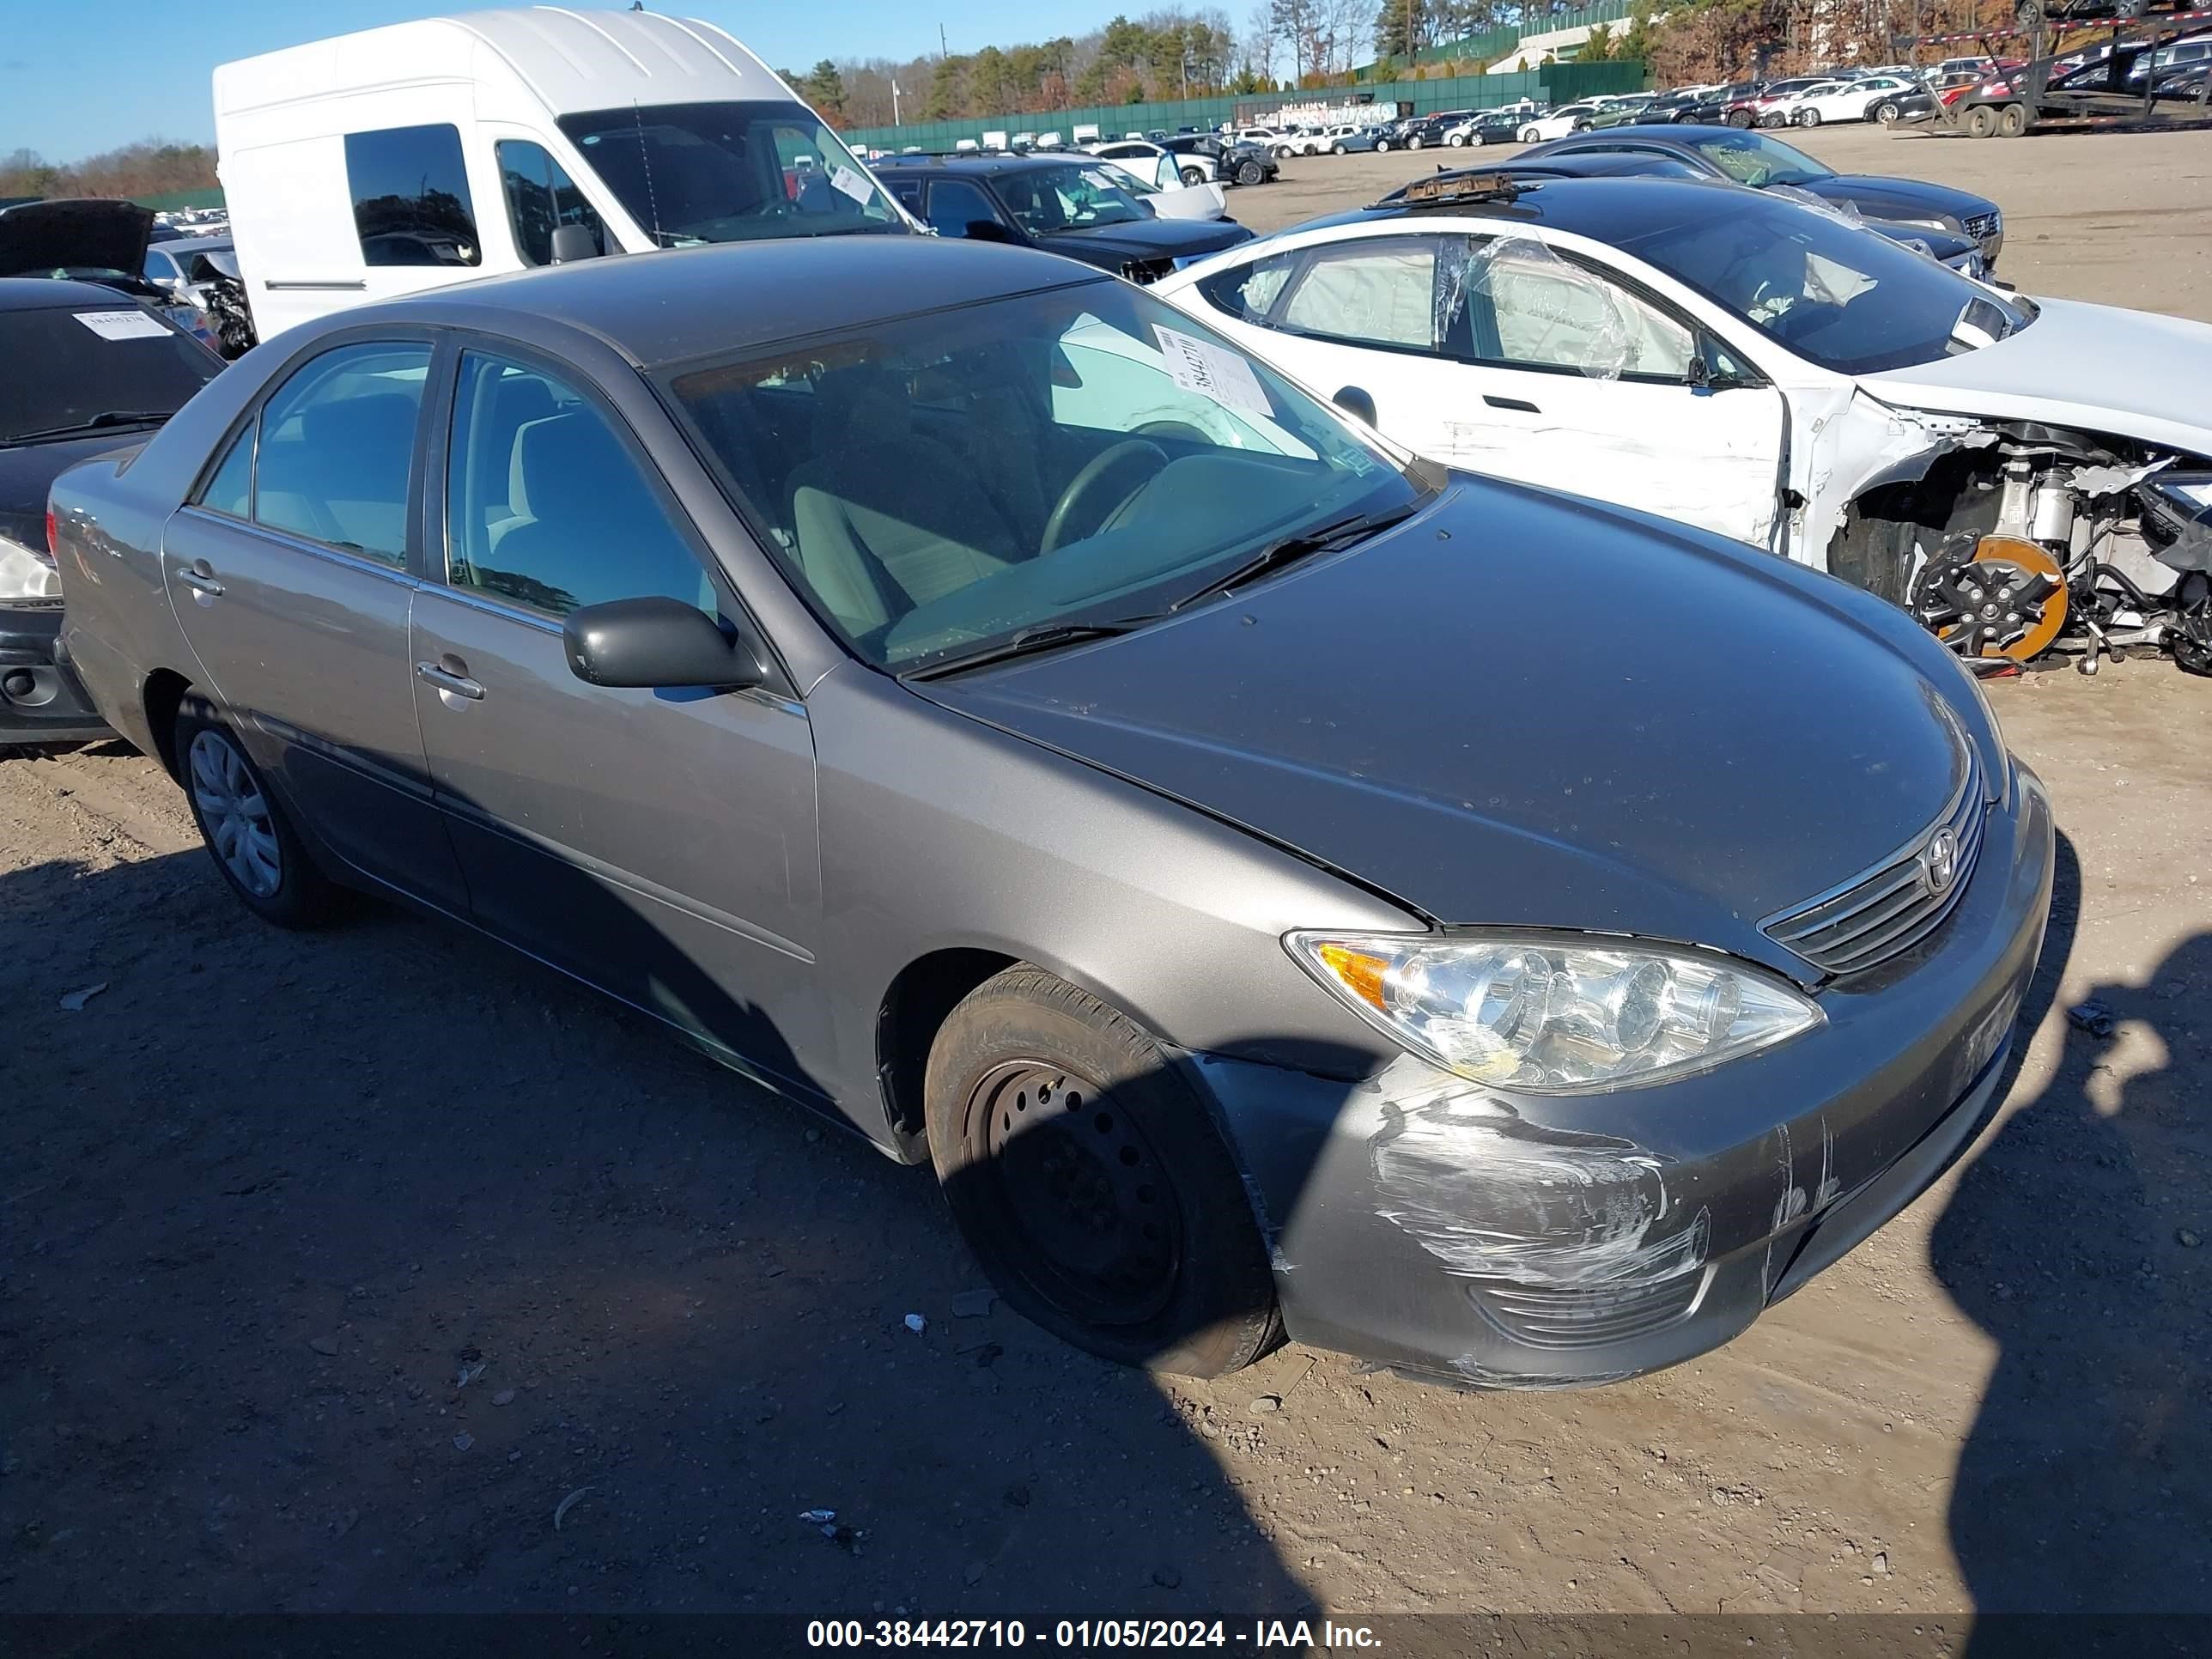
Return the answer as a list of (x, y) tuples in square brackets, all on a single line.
[(1382, 146), (1455, 140), (1981, 121), (247, 834), (1413, 142), (1193, 176), (1089, 1179), (2012, 120)]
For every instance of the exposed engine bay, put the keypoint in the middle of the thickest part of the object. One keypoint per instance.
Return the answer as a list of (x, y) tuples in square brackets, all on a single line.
[(2016, 538)]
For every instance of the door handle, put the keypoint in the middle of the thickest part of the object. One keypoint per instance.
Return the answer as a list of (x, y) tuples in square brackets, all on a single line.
[(446, 680), (199, 577), (1520, 404)]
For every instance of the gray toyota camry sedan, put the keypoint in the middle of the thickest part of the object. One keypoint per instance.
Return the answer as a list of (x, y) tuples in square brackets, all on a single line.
[(1280, 886)]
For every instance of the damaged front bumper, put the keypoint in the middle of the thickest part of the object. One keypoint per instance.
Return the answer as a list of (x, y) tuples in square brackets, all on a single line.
[(1431, 1225)]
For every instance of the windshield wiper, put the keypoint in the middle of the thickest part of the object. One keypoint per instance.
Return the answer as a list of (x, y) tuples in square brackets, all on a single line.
[(105, 418), (1043, 637), (1289, 549)]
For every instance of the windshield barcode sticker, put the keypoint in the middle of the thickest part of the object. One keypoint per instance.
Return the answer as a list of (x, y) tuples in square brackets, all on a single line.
[(122, 324), (852, 183), (1224, 376)]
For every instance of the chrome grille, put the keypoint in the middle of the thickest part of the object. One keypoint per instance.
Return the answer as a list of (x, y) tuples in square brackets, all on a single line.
[(1983, 226), (1873, 917)]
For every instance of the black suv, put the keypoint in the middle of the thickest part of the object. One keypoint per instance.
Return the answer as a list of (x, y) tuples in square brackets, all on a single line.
[(1070, 204)]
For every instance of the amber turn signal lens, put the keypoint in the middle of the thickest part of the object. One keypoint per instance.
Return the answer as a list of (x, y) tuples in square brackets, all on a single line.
[(1361, 974)]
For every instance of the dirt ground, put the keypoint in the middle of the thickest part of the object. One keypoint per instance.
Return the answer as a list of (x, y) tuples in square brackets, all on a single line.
[(383, 1270)]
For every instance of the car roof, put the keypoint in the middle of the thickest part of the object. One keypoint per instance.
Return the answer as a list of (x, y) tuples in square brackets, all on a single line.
[(998, 162), (1604, 210), (665, 307), (196, 243), (57, 293)]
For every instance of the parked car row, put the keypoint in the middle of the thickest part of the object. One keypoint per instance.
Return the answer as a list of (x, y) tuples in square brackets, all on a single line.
[(933, 675)]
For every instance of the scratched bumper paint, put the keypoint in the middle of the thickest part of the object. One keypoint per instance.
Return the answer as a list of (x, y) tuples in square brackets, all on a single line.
[(1485, 1240)]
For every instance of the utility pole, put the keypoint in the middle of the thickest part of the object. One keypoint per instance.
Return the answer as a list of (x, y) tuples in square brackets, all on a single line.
[(895, 115), (942, 51)]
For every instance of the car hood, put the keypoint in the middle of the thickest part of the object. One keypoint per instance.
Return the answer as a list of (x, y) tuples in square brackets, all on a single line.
[(2131, 372), (1879, 197), (1148, 238), (1697, 736), (43, 236), (27, 471)]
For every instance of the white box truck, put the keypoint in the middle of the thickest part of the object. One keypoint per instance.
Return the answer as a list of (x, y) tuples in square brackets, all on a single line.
[(397, 159)]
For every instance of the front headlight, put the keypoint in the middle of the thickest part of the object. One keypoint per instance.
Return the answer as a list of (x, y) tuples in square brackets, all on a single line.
[(26, 574), (1539, 1016)]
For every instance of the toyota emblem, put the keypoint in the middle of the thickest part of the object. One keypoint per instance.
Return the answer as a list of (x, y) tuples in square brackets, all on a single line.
[(1939, 862)]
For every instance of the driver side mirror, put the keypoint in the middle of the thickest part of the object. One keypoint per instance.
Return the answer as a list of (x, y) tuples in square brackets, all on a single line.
[(989, 230), (655, 644), (1354, 400)]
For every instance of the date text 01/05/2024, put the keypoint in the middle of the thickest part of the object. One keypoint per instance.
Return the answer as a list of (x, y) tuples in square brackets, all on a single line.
[(1292, 1635)]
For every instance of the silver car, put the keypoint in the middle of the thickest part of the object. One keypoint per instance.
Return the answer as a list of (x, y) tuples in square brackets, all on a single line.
[(985, 706)]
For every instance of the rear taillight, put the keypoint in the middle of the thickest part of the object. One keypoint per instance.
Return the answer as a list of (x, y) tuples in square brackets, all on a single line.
[(53, 537)]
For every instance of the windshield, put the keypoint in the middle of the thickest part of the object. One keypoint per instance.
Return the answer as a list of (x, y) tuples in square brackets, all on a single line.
[(730, 172), (1834, 293), (69, 365), (938, 484), (1752, 158), (1067, 197)]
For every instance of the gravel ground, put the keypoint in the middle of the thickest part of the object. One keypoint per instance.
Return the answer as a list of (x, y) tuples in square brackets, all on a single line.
[(382, 1270)]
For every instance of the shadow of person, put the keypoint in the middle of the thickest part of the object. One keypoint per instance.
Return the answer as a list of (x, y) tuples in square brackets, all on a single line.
[(2083, 1487)]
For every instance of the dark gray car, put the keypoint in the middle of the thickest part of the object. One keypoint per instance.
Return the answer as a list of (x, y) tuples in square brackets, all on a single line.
[(980, 703)]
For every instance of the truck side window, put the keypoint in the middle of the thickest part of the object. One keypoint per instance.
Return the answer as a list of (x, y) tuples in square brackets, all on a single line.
[(541, 195), (411, 196)]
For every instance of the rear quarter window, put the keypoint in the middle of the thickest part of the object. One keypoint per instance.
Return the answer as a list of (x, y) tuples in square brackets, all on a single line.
[(411, 196)]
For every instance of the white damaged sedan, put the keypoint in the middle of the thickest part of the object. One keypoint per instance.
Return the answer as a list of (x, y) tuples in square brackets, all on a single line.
[(1757, 366)]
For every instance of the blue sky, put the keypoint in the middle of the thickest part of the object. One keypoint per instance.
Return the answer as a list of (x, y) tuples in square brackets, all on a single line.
[(75, 80)]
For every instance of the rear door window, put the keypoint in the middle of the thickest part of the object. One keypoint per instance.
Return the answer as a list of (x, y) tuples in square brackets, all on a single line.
[(338, 445), (411, 196), (954, 203)]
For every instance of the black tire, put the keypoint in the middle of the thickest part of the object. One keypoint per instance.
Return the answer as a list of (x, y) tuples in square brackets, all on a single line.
[(1981, 120), (1413, 142), (1887, 112), (1060, 1128), (1336, 149), (1382, 146), (1251, 173), (2012, 120), (1809, 119), (1193, 176), (2026, 14), (215, 769), (1741, 118)]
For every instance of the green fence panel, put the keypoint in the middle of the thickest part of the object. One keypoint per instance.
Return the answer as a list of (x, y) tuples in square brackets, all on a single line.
[(1554, 83)]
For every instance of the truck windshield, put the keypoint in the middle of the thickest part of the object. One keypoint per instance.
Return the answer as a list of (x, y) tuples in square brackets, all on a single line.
[(730, 172)]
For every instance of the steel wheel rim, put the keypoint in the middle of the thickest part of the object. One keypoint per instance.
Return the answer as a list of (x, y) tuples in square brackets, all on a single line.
[(240, 824), (1080, 1191)]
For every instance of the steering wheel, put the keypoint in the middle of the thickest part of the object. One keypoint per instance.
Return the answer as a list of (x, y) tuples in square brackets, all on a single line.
[(1113, 475)]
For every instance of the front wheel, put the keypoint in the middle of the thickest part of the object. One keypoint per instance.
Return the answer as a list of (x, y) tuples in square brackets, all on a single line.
[(1382, 146), (1413, 142), (1250, 172), (1087, 1177), (1336, 149), (1741, 118), (1886, 114), (1454, 140), (1530, 136), (247, 834), (1981, 121), (1808, 118)]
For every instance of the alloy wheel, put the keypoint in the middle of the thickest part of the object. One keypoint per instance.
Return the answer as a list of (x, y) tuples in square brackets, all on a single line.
[(235, 814)]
